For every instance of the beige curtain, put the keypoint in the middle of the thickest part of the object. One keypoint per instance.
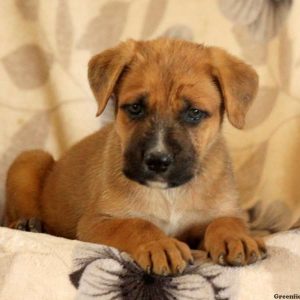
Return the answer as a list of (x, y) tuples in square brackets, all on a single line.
[(45, 101)]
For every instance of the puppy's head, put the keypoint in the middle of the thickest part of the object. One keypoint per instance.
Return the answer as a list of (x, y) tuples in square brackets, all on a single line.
[(170, 97)]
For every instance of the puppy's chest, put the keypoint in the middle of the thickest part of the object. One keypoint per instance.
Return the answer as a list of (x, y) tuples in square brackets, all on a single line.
[(173, 214), (177, 220)]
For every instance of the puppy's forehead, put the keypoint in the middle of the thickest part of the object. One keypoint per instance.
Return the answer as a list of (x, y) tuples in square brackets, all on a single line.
[(168, 71)]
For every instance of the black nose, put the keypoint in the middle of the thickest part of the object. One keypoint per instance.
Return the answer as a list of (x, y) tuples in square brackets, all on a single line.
[(158, 162)]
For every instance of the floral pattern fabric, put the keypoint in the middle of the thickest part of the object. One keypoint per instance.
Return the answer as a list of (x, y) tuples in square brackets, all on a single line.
[(45, 100), (38, 266)]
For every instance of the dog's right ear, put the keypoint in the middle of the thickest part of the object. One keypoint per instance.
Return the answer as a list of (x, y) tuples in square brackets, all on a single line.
[(104, 70)]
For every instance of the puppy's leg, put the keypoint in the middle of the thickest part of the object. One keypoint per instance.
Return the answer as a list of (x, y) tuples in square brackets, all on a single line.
[(228, 242), (146, 243), (24, 183)]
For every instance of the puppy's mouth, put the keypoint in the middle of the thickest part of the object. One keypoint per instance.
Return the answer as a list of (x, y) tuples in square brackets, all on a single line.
[(158, 182)]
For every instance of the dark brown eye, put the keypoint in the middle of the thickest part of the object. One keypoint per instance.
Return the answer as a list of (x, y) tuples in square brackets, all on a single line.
[(135, 110), (194, 115)]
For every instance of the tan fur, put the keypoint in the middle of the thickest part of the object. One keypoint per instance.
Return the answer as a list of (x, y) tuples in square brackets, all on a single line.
[(85, 195)]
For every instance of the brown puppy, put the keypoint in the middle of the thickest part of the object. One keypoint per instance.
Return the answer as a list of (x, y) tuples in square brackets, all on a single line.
[(159, 176)]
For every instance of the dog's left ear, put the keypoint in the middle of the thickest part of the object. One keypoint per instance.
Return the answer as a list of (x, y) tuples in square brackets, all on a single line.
[(238, 83), (104, 70)]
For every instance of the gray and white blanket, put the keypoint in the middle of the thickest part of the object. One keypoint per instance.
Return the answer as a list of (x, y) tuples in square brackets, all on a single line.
[(40, 266)]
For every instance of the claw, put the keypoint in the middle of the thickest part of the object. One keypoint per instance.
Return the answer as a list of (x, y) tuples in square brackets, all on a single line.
[(238, 260), (148, 269), (21, 224), (164, 271), (263, 253), (221, 259), (179, 270), (253, 257), (34, 225)]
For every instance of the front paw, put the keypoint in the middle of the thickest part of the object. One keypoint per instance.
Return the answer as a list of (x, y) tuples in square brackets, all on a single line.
[(163, 257), (233, 245)]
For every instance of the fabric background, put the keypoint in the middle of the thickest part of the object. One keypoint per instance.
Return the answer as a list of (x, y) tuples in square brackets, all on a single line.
[(45, 100)]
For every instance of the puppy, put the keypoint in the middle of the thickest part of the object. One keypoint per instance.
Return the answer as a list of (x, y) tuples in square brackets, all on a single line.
[(159, 177)]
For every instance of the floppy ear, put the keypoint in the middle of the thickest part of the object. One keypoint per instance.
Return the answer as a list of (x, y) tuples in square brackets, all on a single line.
[(104, 70), (238, 83)]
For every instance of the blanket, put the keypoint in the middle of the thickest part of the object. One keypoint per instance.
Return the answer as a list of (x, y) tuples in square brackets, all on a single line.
[(40, 266), (45, 102)]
